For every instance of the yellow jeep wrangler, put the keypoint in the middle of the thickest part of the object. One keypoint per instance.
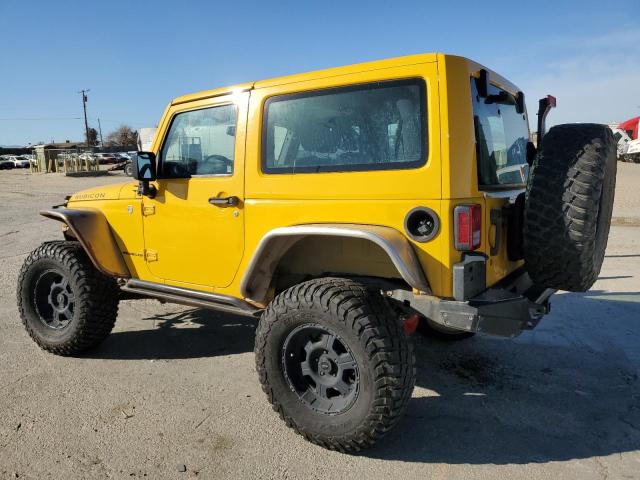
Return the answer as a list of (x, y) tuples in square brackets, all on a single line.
[(346, 208)]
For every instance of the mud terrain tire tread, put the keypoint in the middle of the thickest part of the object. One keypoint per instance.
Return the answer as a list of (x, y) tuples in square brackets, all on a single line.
[(96, 298), (390, 355), (568, 207)]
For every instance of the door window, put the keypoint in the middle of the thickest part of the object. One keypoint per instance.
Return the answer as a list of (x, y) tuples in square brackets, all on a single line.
[(200, 142)]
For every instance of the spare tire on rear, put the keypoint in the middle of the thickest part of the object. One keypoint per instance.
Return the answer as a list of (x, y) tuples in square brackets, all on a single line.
[(568, 206)]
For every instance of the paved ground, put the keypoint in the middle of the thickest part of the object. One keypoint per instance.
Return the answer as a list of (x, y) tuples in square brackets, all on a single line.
[(627, 206), (175, 386)]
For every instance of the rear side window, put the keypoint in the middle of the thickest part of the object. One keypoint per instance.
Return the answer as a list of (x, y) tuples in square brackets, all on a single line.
[(378, 126), (501, 139)]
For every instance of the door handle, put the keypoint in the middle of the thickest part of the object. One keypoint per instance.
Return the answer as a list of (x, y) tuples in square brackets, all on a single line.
[(223, 202), (497, 220)]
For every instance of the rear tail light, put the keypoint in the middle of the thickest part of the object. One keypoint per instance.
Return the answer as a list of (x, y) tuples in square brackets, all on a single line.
[(467, 224)]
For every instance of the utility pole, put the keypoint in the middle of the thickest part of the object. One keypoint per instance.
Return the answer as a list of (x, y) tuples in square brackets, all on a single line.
[(84, 106), (100, 131)]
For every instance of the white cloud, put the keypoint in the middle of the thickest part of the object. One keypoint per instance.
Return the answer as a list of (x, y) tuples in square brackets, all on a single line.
[(597, 79)]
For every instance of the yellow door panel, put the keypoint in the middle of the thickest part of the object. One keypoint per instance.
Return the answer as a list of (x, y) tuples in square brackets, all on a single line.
[(190, 241)]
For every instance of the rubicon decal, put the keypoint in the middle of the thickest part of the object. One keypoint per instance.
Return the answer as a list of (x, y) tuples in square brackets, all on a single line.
[(89, 196)]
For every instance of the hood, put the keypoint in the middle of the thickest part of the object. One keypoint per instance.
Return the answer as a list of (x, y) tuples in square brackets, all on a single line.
[(118, 191)]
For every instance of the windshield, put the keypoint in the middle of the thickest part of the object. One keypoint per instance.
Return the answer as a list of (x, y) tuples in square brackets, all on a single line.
[(501, 139)]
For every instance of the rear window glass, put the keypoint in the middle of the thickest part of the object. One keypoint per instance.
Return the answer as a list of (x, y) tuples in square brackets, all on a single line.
[(501, 139), (366, 127)]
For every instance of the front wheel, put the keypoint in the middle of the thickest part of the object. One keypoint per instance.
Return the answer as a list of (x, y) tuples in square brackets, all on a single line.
[(335, 363), (65, 303)]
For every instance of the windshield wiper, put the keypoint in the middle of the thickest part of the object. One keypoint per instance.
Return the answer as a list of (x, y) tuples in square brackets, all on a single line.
[(502, 98)]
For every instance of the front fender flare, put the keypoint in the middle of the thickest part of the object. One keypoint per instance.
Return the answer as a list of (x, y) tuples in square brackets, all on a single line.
[(257, 277), (91, 228)]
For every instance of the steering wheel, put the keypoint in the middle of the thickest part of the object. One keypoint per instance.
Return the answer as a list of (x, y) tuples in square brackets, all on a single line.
[(214, 161), (176, 170)]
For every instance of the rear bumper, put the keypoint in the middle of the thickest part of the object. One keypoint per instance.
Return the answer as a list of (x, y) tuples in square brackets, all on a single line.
[(505, 310)]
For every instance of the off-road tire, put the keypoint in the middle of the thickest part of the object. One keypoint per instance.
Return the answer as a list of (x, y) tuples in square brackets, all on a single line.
[(96, 298), (568, 207), (430, 329), (368, 326)]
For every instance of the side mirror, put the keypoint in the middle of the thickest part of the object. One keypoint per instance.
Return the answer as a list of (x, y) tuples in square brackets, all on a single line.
[(144, 170)]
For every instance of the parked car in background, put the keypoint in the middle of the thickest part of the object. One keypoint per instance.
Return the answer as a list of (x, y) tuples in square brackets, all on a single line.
[(106, 158), (32, 158), (19, 161), (126, 158), (123, 162), (5, 164)]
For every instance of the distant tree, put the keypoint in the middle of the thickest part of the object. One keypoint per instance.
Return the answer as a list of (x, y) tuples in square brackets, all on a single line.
[(123, 136), (93, 137)]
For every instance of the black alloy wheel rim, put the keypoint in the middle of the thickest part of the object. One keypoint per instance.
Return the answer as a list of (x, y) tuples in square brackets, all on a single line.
[(320, 368), (54, 300)]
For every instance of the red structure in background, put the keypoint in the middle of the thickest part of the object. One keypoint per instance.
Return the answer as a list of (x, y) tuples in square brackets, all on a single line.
[(631, 127)]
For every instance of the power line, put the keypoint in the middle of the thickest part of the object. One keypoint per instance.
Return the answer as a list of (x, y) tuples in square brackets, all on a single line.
[(40, 118), (121, 121), (44, 119)]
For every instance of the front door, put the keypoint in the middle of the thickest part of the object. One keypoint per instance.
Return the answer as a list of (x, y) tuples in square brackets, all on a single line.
[(194, 226)]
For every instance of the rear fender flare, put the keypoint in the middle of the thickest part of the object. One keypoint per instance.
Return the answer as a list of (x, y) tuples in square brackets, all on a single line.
[(91, 228), (262, 266)]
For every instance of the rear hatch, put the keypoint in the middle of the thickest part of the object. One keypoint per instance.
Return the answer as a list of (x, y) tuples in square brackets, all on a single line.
[(502, 135)]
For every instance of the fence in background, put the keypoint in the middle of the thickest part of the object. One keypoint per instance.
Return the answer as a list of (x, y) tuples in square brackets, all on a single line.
[(64, 160)]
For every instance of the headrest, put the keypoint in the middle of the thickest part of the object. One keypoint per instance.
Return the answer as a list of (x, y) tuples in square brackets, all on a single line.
[(319, 137)]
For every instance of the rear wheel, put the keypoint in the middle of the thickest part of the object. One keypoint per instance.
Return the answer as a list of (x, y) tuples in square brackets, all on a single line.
[(66, 305), (568, 207), (335, 363), (128, 169)]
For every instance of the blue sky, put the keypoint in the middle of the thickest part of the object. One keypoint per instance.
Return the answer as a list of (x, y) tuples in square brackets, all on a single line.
[(136, 56)]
